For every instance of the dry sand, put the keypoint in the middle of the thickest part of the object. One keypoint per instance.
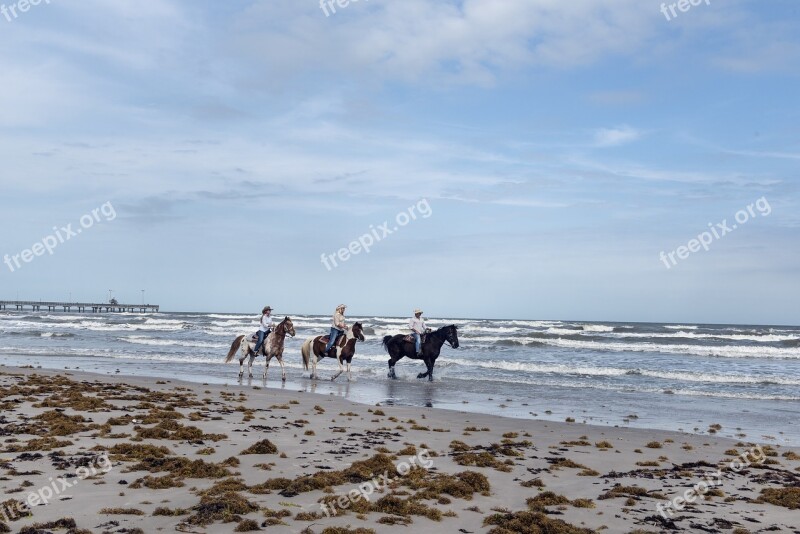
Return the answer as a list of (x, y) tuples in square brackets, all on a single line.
[(147, 455)]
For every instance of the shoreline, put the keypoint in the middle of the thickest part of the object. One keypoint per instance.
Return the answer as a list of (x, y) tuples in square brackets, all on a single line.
[(758, 420), (480, 472)]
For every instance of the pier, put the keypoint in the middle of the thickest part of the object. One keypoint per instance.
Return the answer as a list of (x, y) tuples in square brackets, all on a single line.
[(108, 307)]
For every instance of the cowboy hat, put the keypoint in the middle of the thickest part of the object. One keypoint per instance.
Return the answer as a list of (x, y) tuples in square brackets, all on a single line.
[(266, 308), (341, 306), (417, 311)]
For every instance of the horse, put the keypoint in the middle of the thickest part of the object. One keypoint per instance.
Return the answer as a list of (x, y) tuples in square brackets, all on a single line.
[(272, 347), (345, 350), (399, 346)]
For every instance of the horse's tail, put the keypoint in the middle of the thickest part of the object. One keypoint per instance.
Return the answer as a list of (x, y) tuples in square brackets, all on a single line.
[(236, 345), (386, 340), (305, 350)]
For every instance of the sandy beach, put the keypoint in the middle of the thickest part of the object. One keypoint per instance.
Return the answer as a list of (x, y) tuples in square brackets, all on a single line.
[(128, 454)]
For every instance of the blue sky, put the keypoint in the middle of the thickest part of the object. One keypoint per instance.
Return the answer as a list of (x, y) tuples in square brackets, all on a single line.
[(561, 146)]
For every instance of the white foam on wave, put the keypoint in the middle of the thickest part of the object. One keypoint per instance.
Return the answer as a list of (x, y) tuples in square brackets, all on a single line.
[(143, 340), (597, 328), (566, 369), (537, 324), (562, 331), (65, 317), (765, 338), (589, 384), (681, 327), (491, 329), (736, 351)]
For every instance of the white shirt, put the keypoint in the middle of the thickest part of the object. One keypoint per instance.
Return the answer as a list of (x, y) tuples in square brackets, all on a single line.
[(338, 321), (417, 325), (266, 322)]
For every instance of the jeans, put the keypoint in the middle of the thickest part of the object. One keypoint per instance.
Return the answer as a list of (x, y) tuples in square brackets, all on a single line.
[(335, 333), (417, 341), (261, 337)]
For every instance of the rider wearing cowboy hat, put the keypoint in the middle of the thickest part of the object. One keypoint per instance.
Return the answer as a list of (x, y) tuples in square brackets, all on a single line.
[(417, 326), (338, 326), (266, 326)]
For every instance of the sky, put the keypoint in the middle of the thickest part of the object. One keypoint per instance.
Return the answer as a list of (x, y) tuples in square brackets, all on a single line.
[(552, 151)]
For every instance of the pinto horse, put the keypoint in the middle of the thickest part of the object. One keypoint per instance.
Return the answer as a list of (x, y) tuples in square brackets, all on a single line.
[(345, 349), (399, 346), (271, 348)]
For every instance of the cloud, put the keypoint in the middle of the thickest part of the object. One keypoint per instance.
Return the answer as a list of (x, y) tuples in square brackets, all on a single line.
[(610, 137), (433, 41)]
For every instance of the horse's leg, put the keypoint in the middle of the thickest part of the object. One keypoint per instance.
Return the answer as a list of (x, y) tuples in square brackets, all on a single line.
[(341, 369), (393, 357), (349, 374), (283, 369), (428, 365), (241, 368), (314, 360), (266, 365)]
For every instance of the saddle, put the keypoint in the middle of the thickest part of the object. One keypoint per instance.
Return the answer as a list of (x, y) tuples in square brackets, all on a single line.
[(410, 338), (253, 338), (325, 339)]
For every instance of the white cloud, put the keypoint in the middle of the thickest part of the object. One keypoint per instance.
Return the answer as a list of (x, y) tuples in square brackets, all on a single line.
[(608, 137)]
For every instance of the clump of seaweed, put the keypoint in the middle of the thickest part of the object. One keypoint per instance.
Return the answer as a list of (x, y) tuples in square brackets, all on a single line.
[(163, 511), (528, 522), (60, 424), (548, 498), (121, 511), (64, 523), (131, 452), (631, 492), (181, 467), (247, 525), (39, 444), (165, 482), (264, 446), (481, 459), (785, 497), (172, 430), (360, 471), (227, 507)]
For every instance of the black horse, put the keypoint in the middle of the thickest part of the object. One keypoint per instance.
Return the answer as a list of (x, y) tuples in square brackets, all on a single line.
[(398, 346)]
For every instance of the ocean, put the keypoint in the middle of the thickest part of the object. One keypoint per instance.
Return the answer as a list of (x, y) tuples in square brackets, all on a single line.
[(675, 377)]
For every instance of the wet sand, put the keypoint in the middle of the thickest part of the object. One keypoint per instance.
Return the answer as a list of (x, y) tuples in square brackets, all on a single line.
[(136, 454)]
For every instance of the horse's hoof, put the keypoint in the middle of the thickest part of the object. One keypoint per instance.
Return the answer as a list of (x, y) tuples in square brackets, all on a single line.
[(430, 379), (421, 375)]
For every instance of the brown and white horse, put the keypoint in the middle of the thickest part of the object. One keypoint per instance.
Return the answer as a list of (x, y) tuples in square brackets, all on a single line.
[(345, 349), (272, 347)]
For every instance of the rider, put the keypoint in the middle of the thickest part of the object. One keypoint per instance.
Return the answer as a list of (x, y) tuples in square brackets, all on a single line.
[(417, 326), (338, 326), (266, 326)]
